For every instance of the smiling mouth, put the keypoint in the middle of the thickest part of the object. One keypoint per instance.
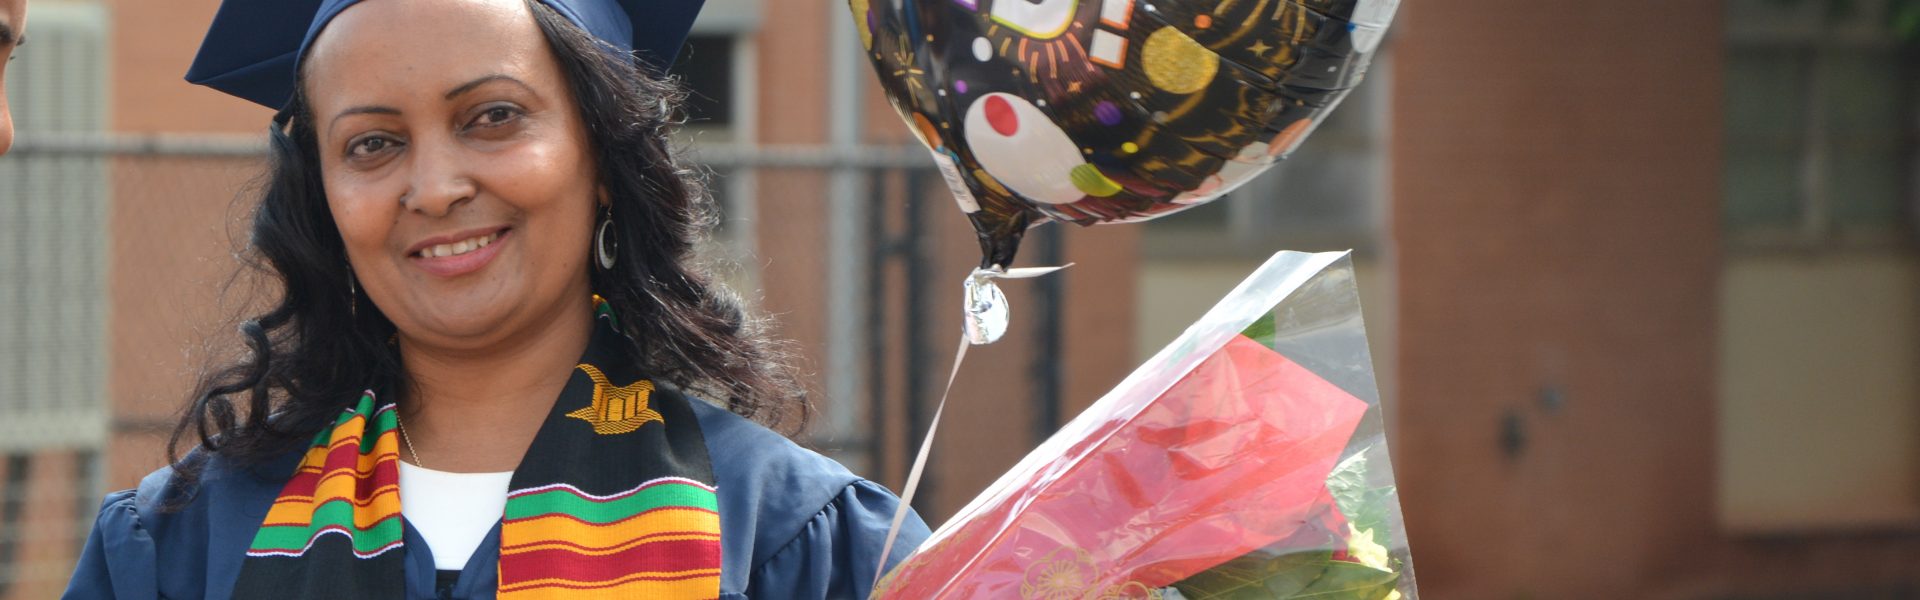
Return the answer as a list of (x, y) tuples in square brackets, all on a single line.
[(458, 248)]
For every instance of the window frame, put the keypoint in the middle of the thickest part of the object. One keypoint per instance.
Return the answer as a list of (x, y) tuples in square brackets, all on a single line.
[(1816, 38)]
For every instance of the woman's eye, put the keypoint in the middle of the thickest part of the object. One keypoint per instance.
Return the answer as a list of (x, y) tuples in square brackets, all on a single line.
[(369, 146), (498, 115)]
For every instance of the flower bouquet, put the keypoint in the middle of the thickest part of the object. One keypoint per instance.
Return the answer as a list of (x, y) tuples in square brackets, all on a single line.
[(1245, 460)]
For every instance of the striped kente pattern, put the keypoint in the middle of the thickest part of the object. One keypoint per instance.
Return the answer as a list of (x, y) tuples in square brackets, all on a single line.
[(660, 539), (348, 484)]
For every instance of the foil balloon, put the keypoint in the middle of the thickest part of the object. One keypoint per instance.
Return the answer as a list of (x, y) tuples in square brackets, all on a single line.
[(1110, 111)]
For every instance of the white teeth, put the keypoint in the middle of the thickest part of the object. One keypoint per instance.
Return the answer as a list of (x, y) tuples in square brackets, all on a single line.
[(458, 248)]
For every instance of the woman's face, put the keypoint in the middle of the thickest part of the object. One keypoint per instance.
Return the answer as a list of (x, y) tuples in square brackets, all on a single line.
[(455, 165), (13, 30)]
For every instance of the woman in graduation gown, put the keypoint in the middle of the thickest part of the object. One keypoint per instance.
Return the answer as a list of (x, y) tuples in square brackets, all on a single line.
[(490, 365)]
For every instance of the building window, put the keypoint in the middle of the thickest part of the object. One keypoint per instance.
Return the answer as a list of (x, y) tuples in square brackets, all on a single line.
[(706, 68), (1820, 124), (1819, 308), (718, 69)]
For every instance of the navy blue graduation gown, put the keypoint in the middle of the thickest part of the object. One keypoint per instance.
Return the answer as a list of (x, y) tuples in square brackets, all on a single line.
[(793, 524)]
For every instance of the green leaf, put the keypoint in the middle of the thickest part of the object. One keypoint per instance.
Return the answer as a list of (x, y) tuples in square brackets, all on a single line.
[(1350, 581), (1262, 330), (1364, 507), (1299, 575), (1256, 576)]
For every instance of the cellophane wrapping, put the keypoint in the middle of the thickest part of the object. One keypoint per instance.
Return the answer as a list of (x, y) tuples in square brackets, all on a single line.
[(1248, 459)]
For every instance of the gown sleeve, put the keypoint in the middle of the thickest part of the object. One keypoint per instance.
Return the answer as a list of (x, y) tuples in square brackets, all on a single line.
[(118, 560), (835, 553)]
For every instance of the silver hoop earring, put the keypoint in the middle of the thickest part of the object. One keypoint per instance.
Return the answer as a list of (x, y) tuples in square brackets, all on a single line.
[(605, 243), (353, 296)]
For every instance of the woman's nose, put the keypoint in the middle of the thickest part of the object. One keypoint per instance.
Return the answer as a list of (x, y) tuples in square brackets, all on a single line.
[(440, 178)]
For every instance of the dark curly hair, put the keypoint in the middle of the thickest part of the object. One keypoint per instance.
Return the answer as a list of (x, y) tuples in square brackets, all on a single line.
[(313, 352)]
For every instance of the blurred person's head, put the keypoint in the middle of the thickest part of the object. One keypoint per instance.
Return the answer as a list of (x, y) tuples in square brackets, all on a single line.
[(428, 193), (13, 30)]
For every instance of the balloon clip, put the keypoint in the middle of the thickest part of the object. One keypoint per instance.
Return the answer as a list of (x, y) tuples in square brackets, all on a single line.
[(985, 306)]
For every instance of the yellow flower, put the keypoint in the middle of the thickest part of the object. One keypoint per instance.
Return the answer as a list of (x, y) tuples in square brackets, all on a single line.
[(1361, 547)]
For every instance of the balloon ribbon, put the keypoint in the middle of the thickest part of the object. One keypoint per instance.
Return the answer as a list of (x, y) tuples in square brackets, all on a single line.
[(926, 445)]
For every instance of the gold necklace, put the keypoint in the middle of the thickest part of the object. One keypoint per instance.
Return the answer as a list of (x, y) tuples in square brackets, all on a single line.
[(408, 439)]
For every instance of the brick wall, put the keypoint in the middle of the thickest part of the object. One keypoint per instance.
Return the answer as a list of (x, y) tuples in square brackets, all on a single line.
[(1556, 192), (1556, 197)]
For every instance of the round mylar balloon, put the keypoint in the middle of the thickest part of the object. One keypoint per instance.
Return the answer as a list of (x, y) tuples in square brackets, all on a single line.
[(1109, 111)]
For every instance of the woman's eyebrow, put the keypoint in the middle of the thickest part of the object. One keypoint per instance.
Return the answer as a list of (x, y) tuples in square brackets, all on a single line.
[(362, 110), (456, 92), (8, 37), (483, 80)]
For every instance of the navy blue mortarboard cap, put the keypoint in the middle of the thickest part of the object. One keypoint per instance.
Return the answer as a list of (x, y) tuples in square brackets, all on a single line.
[(253, 48)]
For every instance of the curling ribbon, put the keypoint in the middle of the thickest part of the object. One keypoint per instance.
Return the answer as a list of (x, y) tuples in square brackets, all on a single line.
[(986, 320)]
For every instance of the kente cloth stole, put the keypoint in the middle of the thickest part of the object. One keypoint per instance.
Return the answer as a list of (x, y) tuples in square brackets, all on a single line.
[(614, 498)]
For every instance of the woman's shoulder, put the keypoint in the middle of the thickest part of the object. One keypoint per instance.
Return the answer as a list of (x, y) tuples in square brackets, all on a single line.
[(752, 454), (170, 533), (218, 486), (766, 483), (787, 511)]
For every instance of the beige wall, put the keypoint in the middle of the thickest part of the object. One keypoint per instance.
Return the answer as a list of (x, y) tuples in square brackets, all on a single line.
[(1173, 293), (1819, 392)]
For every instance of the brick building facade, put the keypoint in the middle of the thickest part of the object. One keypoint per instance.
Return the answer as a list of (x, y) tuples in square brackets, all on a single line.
[(1562, 314)]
